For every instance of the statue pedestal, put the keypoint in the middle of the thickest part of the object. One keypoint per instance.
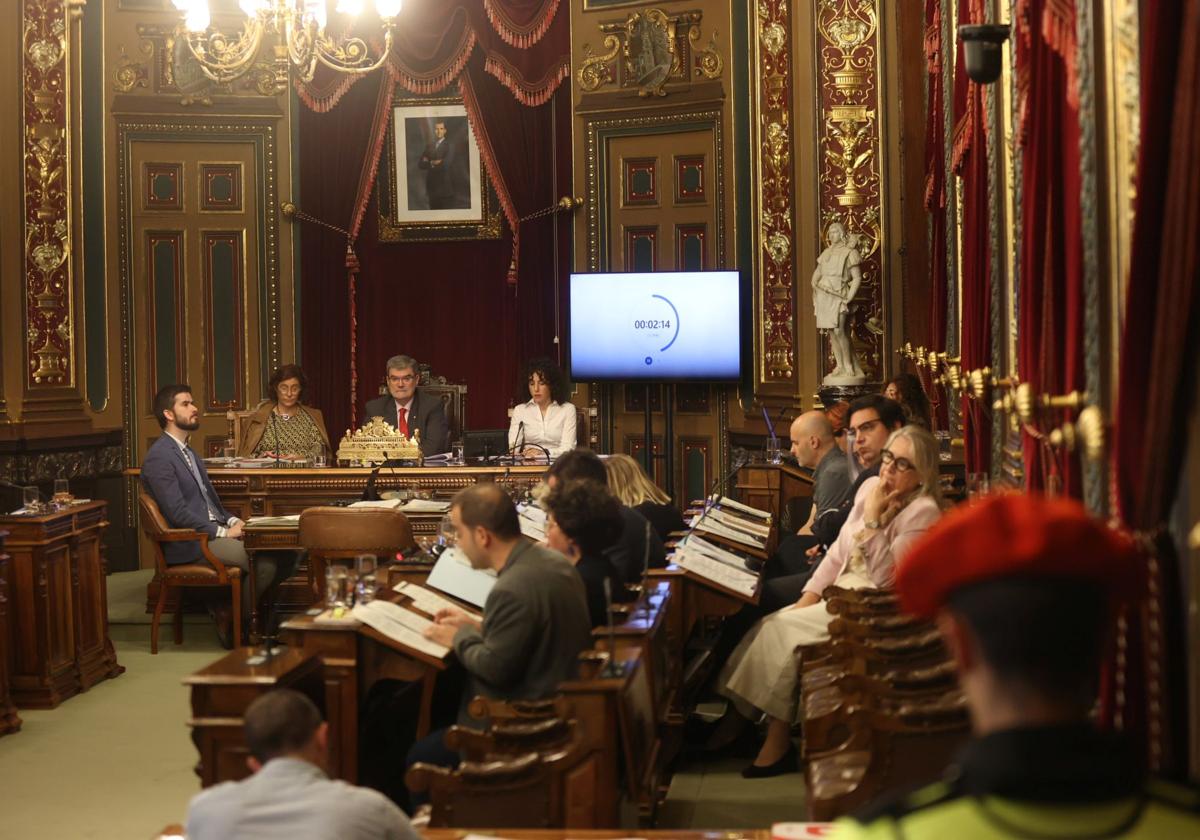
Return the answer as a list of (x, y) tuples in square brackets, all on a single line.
[(831, 394)]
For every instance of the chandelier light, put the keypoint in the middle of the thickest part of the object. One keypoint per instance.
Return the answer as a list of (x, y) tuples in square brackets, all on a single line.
[(301, 39)]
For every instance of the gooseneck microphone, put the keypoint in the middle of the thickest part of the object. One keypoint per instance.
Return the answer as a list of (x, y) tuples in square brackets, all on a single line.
[(275, 426)]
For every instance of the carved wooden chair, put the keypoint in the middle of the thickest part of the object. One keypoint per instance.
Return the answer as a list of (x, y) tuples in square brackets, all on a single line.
[(185, 575), (338, 533), (453, 397)]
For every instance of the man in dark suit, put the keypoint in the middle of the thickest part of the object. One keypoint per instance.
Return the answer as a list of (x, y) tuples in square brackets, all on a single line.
[(438, 161), (404, 407), (174, 475)]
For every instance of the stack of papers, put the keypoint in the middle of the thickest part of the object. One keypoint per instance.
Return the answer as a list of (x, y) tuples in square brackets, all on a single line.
[(533, 522), (700, 563), (425, 506), (428, 601), (710, 524), (733, 504), (404, 626), (273, 521), (381, 503), (454, 575)]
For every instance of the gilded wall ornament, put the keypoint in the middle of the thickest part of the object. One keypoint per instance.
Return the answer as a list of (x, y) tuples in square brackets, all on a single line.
[(130, 72), (775, 295), (649, 50), (849, 175), (47, 273)]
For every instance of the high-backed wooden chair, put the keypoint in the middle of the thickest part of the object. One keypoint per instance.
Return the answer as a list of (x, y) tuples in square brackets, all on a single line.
[(338, 533), (187, 574)]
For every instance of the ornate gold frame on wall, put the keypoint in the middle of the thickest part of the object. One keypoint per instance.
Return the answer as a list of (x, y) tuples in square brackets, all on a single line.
[(391, 229)]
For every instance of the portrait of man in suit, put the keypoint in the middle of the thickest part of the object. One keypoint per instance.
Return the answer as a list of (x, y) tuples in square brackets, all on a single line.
[(439, 164)]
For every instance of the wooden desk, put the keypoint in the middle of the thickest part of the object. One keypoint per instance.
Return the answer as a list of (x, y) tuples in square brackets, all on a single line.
[(9, 721), (58, 621), (773, 487), (355, 657), (270, 491), (222, 691)]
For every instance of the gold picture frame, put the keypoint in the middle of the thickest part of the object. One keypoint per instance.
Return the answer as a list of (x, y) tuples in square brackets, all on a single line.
[(434, 186)]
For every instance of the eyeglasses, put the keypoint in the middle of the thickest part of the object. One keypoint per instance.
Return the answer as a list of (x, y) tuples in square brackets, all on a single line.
[(408, 378), (899, 464), (863, 428)]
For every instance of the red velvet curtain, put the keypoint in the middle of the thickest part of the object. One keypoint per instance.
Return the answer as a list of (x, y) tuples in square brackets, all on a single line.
[(1051, 251), (466, 308), (970, 163), (1148, 696)]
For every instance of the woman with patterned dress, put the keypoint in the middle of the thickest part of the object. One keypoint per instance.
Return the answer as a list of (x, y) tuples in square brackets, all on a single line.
[(283, 425)]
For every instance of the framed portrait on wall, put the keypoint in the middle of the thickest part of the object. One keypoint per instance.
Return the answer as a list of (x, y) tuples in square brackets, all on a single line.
[(433, 186)]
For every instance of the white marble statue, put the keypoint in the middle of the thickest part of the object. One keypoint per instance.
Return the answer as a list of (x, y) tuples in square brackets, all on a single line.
[(835, 282)]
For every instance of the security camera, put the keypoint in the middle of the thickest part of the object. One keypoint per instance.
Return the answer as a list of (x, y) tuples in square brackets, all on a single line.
[(982, 48)]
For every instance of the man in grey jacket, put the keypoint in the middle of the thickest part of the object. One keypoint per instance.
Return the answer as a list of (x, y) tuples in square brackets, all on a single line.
[(289, 796), (535, 619)]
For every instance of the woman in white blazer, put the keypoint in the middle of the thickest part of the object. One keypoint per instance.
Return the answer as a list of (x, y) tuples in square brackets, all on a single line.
[(547, 420)]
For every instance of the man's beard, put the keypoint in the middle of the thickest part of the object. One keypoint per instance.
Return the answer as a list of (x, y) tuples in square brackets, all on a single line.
[(189, 427)]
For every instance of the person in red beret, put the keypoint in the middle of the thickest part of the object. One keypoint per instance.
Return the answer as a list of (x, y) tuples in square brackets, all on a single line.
[(1024, 590), (891, 511)]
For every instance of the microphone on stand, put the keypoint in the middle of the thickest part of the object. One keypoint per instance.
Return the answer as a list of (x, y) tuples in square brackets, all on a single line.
[(369, 494), (612, 669), (275, 426)]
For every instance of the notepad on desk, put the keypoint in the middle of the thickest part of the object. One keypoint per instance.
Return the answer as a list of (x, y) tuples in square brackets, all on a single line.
[(401, 625), (273, 521), (428, 601), (454, 575)]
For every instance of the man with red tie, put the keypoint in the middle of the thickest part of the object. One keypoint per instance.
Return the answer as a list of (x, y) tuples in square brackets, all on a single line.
[(404, 407)]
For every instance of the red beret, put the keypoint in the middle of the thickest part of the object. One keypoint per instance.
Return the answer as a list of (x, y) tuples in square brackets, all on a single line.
[(1014, 535)]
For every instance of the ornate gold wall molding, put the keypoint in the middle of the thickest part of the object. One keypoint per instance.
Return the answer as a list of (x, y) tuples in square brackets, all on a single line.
[(47, 217), (775, 252), (652, 52), (848, 54)]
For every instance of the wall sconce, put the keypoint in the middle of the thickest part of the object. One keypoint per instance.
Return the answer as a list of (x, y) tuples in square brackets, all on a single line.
[(1028, 404), (983, 50), (1085, 435), (981, 383)]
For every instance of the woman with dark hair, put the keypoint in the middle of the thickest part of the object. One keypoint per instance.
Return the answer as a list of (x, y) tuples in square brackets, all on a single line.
[(548, 418), (906, 389), (283, 425), (583, 520)]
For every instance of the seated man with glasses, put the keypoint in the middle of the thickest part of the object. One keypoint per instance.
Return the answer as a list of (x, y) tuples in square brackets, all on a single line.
[(407, 410), (890, 512)]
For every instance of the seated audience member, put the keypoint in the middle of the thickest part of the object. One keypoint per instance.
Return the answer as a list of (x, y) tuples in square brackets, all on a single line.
[(289, 796), (838, 414), (639, 543), (890, 512), (283, 424), (633, 489), (547, 419), (906, 389), (872, 419), (583, 520), (1026, 621), (410, 411), (535, 619), (175, 476)]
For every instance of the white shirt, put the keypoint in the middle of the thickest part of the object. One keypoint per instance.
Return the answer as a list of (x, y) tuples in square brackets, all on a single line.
[(290, 798), (555, 431)]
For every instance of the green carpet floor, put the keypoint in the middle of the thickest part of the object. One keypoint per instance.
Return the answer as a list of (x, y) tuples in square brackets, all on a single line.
[(116, 761)]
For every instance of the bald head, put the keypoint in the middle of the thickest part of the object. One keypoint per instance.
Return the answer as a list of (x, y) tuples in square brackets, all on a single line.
[(812, 437)]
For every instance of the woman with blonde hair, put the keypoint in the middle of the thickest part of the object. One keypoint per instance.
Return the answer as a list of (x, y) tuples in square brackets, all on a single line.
[(633, 489), (891, 511)]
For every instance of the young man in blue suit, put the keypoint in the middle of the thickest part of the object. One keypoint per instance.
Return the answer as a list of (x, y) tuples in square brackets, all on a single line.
[(175, 476)]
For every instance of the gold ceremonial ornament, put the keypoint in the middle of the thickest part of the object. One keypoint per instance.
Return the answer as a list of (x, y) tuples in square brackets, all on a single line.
[(952, 377), (1085, 435), (906, 351), (1028, 404), (982, 382), (301, 41), (377, 442)]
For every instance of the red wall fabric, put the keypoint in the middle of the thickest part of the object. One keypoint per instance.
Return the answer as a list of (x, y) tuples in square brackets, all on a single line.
[(935, 196), (1051, 251), (445, 303)]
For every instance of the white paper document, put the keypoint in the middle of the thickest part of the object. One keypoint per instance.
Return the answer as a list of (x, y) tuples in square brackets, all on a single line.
[(709, 525), (425, 506), (533, 522), (381, 503), (725, 501), (273, 521), (741, 523), (716, 571), (714, 551), (453, 574), (428, 601), (404, 626)]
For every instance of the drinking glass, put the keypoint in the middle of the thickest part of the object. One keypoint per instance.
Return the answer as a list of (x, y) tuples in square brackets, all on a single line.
[(457, 452), (773, 454), (319, 456), (229, 450), (31, 498), (446, 533), (978, 484), (336, 586), (366, 565), (943, 441), (62, 490)]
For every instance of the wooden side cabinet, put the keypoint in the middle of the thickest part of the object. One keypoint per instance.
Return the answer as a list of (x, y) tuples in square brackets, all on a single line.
[(9, 721), (57, 621)]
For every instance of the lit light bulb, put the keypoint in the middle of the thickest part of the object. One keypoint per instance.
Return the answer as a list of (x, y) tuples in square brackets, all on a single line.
[(350, 7), (251, 8), (388, 8), (197, 18), (317, 11)]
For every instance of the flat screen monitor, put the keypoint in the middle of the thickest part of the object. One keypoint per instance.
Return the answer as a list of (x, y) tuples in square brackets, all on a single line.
[(667, 326), (485, 443)]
